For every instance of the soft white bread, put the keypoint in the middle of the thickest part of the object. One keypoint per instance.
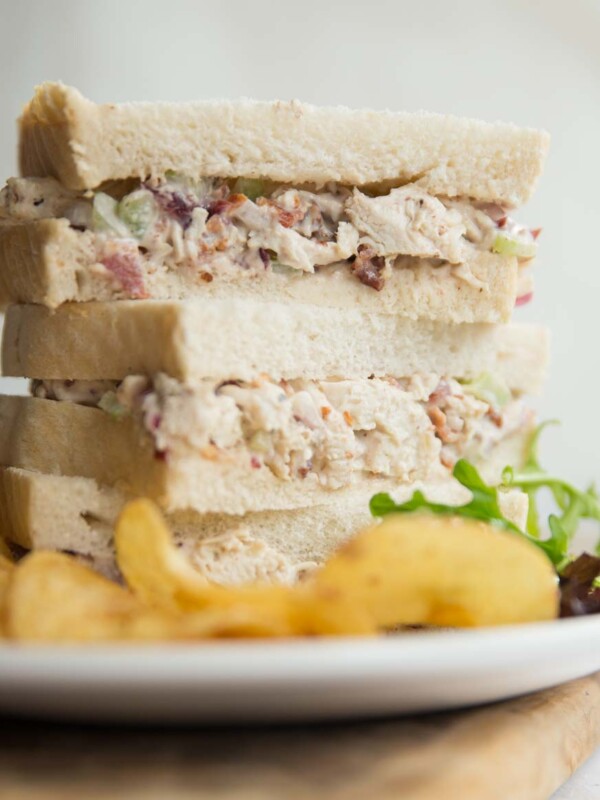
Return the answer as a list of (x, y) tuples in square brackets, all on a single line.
[(50, 512), (74, 440), (48, 262), (83, 144), (238, 339)]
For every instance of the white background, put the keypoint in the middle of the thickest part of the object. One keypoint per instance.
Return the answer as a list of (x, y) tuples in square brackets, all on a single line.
[(534, 63)]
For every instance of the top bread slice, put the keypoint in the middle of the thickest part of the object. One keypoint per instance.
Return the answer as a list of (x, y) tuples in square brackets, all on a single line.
[(82, 144)]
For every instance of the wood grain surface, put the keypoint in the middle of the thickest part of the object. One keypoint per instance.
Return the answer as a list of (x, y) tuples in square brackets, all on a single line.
[(519, 750)]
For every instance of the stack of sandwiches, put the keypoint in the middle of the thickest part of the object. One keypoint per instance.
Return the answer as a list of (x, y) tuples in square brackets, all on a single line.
[(258, 315)]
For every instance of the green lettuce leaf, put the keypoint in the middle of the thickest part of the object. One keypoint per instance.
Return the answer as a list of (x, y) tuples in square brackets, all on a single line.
[(573, 504)]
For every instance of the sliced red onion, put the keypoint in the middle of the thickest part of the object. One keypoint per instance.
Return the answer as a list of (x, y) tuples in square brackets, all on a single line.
[(524, 299)]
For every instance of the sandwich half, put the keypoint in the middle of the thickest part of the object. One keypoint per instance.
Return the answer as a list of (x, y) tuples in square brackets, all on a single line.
[(238, 444), (389, 212)]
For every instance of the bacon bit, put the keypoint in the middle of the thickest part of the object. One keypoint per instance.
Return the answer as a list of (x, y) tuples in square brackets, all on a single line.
[(535, 232), (348, 418), (368, 267), (325, 411), (161, 455), (303, 471), (255, 462), (226, 205), (524, 299), (495, 417), (440, 393), (446, 460), (286, 217), (127, 269), (210, 452), (438, 420), (501, 222), (206, 276)]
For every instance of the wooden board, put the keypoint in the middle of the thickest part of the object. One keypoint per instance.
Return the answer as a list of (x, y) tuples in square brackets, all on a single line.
[(522, 750)]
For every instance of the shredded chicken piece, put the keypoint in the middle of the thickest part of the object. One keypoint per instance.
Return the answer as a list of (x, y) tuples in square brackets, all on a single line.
[(408, 221)]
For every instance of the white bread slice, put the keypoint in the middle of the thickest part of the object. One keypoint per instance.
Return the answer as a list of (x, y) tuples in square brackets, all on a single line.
[(62, 134), (51, 512), (62, 438), (238, 339), (48, 262)]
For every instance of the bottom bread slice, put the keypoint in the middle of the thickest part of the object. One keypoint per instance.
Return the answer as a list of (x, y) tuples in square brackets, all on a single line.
[(77, 515)]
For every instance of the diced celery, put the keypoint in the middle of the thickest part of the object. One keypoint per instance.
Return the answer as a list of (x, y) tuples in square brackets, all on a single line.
[(506, 246), (489, 388), (109, 403), (283, 269), (260, 442), (138, 211), (251, 187), (105, 218)]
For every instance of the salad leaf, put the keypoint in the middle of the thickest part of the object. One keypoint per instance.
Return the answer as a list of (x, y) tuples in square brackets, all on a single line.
[(483, 505), (580, 587), (573, 504)]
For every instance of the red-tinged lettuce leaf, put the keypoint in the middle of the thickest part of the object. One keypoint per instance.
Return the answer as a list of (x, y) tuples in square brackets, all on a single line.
[(580, 587)]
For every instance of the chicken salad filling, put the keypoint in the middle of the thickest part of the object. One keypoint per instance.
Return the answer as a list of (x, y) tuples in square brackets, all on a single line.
[(229, 229), (324, 431)]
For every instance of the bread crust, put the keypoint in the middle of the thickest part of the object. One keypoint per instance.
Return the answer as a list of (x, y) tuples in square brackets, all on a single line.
[(64, 135), (201, 339), (49, 263)]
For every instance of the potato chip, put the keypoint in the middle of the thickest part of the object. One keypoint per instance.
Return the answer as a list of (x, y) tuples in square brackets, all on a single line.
[(421, 569), (6, 568), (415, 569), (52, 597)]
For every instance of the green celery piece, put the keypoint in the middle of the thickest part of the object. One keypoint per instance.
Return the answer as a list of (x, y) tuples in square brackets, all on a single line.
[(109, 403), (251, 187), (506, 246), (489, 388), (138, 211), (105, 217)]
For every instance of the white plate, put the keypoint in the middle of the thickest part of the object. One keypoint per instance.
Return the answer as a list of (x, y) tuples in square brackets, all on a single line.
[(295, 680)]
